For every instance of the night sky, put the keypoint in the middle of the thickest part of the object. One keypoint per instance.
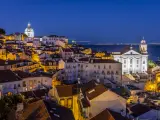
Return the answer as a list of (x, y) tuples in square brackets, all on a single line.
[(99, 21)]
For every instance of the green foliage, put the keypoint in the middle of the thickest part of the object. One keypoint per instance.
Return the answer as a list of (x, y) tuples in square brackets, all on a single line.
[(151, 64), (7, 103), (2, 31)]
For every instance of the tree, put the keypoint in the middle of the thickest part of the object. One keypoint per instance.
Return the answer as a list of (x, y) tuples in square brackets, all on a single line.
[(2, 31)]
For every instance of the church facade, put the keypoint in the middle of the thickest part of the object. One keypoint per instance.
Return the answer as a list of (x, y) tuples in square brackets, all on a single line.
[(133, 61), (29, 31)]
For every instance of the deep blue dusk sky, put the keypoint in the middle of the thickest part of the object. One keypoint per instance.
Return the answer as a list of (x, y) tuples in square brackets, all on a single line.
[(100, 21)]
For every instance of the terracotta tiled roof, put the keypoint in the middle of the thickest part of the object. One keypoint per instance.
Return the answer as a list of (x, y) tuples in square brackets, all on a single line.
[(104, 115), (93, 93), (35, 111), (58, 112), (66, 90), (103, 61)]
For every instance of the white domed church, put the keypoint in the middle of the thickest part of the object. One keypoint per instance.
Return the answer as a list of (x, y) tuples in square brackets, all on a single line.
[(133, 61), (29, 31)]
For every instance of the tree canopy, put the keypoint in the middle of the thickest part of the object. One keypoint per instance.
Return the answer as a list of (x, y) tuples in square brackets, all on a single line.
[(2, 31)]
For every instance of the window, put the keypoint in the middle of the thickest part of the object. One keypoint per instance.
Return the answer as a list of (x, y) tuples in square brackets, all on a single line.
[(130, 61), (24, 84), (94, 65), (108, 72), (109, 66), (116, 72), (124, 66), (62, 102), (98, 66), (69, 101), (124, 61), (104, 67), (112, 72), (137, 61), (143, 62)]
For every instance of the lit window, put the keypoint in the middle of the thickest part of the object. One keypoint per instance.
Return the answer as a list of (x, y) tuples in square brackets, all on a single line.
[(69, 103)]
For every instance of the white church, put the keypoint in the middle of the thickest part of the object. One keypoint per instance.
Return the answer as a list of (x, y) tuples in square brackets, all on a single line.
[(29, 31), (133, 61)]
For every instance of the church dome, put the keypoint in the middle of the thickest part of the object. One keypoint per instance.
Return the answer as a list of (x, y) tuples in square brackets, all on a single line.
[(29, 31)]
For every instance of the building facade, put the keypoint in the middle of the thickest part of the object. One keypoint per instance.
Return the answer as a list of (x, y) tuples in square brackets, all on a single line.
[(133, 61), (87, 69)]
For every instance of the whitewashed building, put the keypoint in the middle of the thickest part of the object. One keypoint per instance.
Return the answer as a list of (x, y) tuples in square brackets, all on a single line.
[(16, 82), (55, 40), (133, 61), (87, 69)]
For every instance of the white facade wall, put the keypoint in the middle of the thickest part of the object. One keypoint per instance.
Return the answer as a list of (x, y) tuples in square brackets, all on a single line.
[(54, 40), (108, 100), (32, 83), (93, 71), (132, 62)]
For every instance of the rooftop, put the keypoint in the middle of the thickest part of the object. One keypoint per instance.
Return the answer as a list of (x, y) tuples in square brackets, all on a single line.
[(96, 91), (139, 109), (8, 76), (35, 111), (70, 90), (58, 112), (103, 61)]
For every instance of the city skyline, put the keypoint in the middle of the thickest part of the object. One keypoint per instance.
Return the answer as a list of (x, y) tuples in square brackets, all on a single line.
[(105, 21)]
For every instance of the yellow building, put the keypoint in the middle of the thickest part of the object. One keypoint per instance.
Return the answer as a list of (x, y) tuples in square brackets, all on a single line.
[(87, 51), (104, 55), (16, 36), (53, 65), (3, 54), (67, 95)]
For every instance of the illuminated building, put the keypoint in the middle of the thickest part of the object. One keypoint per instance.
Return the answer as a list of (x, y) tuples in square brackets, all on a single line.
[(29, 31), (21, 65), (67, 53), (52, 64), (93, 69), (133, 61), (93, 99), (55, 40), (68, 98), (19, 81), (87, 51), (15, 36)]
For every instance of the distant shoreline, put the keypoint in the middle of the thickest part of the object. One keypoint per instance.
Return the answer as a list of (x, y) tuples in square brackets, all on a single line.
[(123, 44)]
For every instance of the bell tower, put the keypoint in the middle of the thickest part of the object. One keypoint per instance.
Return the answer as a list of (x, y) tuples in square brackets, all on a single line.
[(143, 46)]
